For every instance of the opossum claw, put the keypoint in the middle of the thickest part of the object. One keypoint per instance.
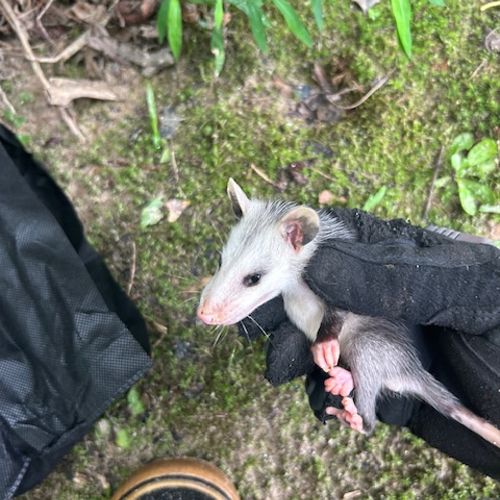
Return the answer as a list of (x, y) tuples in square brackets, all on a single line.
[(326, 353)]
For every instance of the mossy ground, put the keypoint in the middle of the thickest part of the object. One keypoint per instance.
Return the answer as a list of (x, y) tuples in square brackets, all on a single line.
[(208, 399)]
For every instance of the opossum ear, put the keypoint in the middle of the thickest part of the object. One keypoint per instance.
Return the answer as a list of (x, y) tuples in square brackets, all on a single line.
[(239, 200), (300, 226)]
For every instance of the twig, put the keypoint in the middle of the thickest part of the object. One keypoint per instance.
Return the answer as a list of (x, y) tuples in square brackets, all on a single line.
[(39, 21), (37, 69), (478, 69), (68, 52), (319, 172), (6, 101), (173, 161), (430, 196), (263, 176), (372, 91), (132, 268), (489, 5)]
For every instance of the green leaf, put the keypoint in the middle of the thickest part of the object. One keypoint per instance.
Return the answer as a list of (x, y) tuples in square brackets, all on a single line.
[(218, 14), (293, 21), (458, 163), (123, 439), (152, 213), (491, 209), (483, 151), (153, 115), (437, 3), (161, 20), (255, 15), (217, 46), (217, 39), (374, 199), (486, 168), (135, 404), (462, 142), (482, 192), (175, 28), (317, 9), (401, 10), (466, 195)]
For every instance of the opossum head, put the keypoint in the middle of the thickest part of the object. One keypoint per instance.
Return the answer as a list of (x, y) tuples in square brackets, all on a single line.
[(266, 252)]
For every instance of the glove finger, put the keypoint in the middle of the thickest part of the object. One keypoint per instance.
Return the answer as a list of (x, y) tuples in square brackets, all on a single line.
[(288, 355)]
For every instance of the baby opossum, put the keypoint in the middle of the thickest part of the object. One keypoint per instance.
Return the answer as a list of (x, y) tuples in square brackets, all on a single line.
[(265, 256)]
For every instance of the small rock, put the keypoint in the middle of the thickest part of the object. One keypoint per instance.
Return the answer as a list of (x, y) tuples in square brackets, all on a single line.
[(103, 428), (492, 41), (169, 122), (182, 349)]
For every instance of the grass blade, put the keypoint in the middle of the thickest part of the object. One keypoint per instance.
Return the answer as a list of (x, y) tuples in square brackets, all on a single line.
[(161, 21), (218, 14), (401, 10), (217, 40), (257, 26), (317, 9), (374, 199), (293, 21), (174, 32), (153, 114)]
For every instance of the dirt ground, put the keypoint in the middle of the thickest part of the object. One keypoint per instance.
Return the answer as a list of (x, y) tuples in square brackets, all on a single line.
[(206, 396)]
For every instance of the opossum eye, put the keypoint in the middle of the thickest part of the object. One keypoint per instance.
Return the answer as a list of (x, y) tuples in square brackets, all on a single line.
[(252, 279)]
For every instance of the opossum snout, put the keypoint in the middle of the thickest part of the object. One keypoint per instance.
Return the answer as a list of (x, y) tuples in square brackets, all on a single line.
[(209, 315)]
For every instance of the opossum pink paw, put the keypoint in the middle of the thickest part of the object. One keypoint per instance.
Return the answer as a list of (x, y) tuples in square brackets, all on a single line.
[(338, 413), (326, 353), (352, 416), (340, 382)]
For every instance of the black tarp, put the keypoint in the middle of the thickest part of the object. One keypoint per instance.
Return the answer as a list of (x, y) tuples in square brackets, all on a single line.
[(67, 346)]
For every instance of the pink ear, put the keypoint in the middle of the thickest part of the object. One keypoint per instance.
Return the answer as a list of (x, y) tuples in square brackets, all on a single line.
[(293, 234)]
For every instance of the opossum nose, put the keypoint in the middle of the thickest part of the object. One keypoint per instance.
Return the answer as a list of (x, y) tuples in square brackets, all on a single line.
[(207, 315)]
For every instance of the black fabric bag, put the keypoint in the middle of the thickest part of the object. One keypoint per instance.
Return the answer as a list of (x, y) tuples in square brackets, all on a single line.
[(67, 346)]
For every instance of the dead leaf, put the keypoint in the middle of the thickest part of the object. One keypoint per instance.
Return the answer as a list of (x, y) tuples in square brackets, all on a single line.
[(175, 208), (131, 13), (87, 12), (325, 197), (365, 5)]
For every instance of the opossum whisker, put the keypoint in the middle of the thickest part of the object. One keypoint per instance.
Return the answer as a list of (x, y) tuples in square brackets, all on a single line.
[(246, 332), (268, 337), (221, 335)]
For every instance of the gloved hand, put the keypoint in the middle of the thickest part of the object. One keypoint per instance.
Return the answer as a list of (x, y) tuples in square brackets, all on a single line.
[(396, 270)]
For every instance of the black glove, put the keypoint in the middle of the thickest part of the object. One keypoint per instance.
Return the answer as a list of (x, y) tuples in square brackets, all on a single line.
[(400, 271)]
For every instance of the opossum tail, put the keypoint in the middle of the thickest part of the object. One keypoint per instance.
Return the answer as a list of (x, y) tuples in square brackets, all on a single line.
[(436, 395)]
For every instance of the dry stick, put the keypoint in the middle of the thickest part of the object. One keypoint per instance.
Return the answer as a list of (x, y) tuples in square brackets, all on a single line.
[(39, 21), (262, 175), (132, 269), (437, 169), (68, 52), (319, 172), (490, 5), (372, 91), (37, 69), (479, 68), (6, 101)]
